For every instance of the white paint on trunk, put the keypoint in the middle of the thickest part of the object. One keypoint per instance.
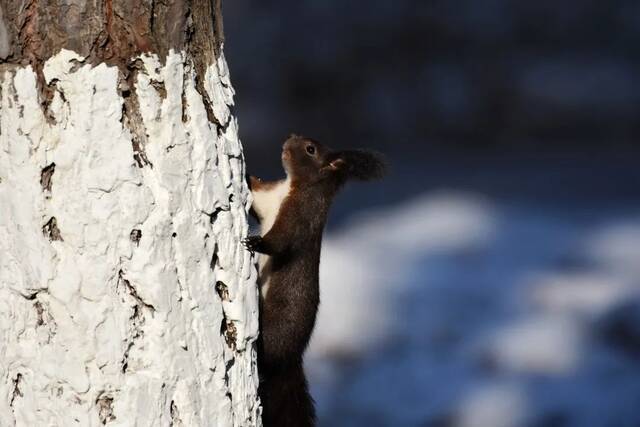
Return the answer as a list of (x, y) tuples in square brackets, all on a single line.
[(144, 311)]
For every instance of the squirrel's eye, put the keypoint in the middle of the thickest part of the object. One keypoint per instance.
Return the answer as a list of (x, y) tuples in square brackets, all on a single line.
[(311, 149)]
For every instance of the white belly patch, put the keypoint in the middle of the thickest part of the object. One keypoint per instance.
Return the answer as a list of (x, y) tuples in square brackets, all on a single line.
[(266, 204)]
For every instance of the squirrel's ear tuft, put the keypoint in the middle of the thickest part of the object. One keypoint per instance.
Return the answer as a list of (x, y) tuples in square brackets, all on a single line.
[(363, 165)]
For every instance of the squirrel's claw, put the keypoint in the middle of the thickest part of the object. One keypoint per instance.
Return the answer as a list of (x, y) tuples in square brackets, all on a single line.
[(252, 243)]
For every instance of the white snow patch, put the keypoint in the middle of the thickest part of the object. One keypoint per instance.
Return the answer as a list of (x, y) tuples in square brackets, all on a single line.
[(454, 310), (497, 405), (361, 269), (543, 345)]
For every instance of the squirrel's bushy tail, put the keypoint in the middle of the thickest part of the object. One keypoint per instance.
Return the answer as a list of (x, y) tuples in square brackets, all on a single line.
[(362, 165)]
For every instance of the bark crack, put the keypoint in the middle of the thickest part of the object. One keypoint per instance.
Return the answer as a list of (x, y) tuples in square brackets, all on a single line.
[(205, 97), (175, 415), (214, 257), (213, 216), (131, 117), (132, 291), (45, 320), (16, 389), (137, 322), (186, 75), (137, 318)]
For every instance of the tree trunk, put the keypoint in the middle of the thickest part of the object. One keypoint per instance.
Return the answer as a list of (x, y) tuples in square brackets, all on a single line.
[(125, 295)]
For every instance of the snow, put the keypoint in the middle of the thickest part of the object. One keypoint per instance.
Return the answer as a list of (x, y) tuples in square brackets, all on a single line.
[(456, 309)]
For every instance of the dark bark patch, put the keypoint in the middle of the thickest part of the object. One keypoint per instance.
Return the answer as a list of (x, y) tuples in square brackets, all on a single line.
[(213, 216), (218, 26), (31, 297), (45, 177), (186, 75), (45, 320), (160, 88), (214, 257), (29, 35), (205, 96), (40, 313), (202, 44), (227, 369), (223, 290), (77, 64), (46, 93), (5, 45), (135, 236), (131, 117), (51, 230), (229, 332), (104, 404)]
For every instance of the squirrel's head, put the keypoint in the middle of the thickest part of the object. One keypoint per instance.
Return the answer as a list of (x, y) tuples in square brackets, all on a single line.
[(307, 160)]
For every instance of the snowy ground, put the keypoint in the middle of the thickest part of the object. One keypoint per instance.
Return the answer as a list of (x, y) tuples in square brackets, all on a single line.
[(457, 310)]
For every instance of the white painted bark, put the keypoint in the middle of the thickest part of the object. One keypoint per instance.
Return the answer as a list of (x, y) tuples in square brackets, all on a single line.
[(103, 323)]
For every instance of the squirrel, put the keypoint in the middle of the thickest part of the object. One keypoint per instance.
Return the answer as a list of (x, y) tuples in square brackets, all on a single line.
[(292, 214)]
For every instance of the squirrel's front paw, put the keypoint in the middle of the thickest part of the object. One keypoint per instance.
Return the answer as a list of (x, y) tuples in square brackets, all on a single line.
[(252, 243)]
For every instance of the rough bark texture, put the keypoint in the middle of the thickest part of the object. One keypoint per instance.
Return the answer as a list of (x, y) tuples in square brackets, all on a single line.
[(112, 31), (125, 295)]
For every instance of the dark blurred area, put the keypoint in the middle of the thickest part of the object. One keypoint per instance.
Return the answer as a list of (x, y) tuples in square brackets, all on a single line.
[(492, 278), (461, 74), (460, 92)]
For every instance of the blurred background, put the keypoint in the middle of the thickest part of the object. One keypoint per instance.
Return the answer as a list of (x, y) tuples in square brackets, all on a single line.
[(493, 279)]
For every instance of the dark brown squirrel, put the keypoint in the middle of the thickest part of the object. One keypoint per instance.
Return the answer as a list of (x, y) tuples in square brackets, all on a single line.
[(292, 213)]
